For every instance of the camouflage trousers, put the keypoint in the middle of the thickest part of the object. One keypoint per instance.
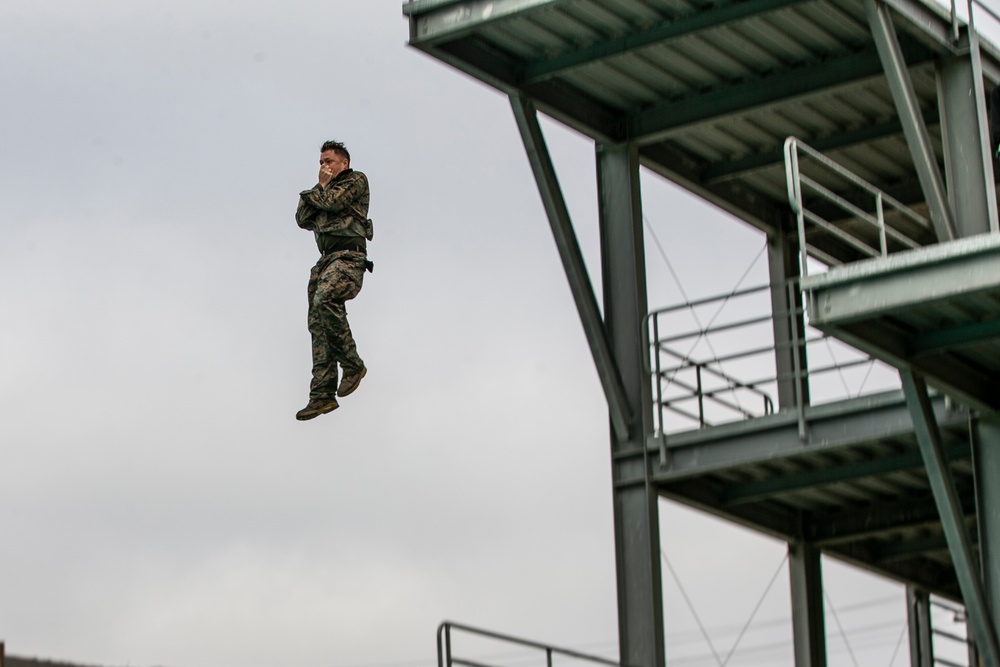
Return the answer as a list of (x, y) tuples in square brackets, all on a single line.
[(335, 279)]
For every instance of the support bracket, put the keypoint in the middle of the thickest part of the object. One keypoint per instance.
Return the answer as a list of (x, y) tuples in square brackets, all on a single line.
[(576, 270), (952, 522), (908, 108)]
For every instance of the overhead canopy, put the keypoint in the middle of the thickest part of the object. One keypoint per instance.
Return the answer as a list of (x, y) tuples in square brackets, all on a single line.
[(709, 91)]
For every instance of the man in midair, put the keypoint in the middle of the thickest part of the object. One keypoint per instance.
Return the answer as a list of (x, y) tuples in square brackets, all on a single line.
[(336, 211)]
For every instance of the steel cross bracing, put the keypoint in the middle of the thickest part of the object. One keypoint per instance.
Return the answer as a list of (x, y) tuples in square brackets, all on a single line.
[(705, 95)]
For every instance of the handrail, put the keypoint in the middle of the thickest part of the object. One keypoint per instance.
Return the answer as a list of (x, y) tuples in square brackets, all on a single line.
[(971, 7), (796, 180), (446, 659), (737, 376)]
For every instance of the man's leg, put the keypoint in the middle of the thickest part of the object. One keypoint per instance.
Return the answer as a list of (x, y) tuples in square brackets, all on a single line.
[(340, 282), (324, 370), (323, 387)]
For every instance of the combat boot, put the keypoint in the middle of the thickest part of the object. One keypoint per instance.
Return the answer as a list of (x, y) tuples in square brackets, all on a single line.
[(317, 407), (351, 382)]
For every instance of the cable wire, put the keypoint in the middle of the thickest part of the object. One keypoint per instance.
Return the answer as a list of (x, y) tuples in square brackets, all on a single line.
[(840, 627), (694, 314), (899, 642), (767, 590), (694, 612)]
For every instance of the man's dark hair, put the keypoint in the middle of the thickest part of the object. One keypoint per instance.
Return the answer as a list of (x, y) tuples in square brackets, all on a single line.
[(338, 148)]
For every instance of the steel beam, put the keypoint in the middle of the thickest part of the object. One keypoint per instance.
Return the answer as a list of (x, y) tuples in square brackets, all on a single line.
[(918, 615), (436, 20), (986, 458), (485, 62), (916, 277), (952, 522), (704, 496), (788, 322), (572, 259), (637, 538), (787, 483), (828, 528), (678, 165), (925, 573), (966, 135), (910, 548), (806, 579), (940, 340), (673, 28), (907, 106), (657, 123), (832, 427), (728, 169)]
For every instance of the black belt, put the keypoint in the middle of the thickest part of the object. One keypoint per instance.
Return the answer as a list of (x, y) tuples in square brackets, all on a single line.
[(355, 247)]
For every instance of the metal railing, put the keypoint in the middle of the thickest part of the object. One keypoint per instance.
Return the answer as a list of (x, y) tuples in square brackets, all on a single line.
[(715, 360), (971, 6), (446, 657), (860, 227), (952, 641)]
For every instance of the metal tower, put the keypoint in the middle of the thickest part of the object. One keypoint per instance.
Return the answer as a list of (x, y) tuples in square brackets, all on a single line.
[(854, 134)]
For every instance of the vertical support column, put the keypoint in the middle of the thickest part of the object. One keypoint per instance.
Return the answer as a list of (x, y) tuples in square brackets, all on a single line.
[(637, 537), (808, 629), (986, 467), (966, 134), (952, 518), (918, 615), (783, 265), (908, 108)]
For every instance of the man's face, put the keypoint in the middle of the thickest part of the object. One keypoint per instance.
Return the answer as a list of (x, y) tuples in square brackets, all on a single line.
[(331, 162)]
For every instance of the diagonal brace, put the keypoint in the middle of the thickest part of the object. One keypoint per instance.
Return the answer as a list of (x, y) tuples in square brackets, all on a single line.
[(908, 108), (572, 259), (949, 508)]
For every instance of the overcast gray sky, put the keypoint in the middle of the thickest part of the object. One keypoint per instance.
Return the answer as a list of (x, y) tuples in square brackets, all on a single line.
[(160, 505)]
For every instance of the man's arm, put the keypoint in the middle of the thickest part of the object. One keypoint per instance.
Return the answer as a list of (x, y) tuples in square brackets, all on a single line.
[(305, 215), (337, 197)]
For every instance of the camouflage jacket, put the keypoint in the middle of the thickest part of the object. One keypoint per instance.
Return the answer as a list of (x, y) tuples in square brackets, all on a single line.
[(339, 209)]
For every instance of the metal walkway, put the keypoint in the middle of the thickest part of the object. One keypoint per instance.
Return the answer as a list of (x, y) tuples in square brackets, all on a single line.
[(894, 252)]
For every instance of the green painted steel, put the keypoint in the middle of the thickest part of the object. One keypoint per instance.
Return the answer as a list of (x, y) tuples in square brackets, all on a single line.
[(806, 580), (753, 491), (622, 417), (636, 510), (719, 15), (894, 62), (654, 124), (949, 507)]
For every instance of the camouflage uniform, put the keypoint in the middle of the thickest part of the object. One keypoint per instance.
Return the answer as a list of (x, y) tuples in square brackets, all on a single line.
[(336, 214)]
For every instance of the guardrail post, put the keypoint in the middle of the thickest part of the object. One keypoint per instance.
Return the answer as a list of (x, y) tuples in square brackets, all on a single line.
[(443, 645), (701, 397), (794, 184), (880, 213), (918, 616)]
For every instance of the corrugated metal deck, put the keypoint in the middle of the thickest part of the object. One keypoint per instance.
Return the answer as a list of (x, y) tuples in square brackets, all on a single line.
[(709, 90)]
